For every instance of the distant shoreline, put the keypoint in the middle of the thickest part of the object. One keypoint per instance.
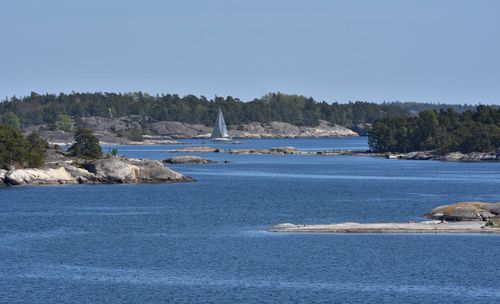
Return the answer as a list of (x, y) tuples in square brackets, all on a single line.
[(424, 155)]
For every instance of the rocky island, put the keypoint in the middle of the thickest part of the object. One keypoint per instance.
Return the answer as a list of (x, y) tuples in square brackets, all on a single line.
[(32, 161), (464, 217), (187, 159), (208, 149), (109, 170)]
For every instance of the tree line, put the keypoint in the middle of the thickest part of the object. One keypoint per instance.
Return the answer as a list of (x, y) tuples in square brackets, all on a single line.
[(21, 151), (58, 111), (443, 131)]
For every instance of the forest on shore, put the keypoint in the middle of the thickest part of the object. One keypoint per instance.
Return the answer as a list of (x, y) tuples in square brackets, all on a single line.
[(442, 131), (395, 127), (20, 150), (57, 111)]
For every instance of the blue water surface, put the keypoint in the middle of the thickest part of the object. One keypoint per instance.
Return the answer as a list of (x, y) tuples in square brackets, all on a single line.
[(207, 242)]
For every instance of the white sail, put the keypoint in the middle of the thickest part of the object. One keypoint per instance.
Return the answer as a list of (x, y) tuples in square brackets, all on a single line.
[(220, 129)]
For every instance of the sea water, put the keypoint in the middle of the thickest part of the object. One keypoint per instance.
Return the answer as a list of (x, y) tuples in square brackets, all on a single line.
[(208, 242)]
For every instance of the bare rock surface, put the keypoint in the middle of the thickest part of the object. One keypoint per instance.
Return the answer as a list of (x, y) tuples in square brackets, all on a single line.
[(197, 149), (110, 130), (106, 170), (124, 170), (176, 129), (187, 159), (124, 123), (421, 155), (452, 156), (276, 150), (493, 222), (473, 156), (421, 227), (39, 177), (465, 211), (279, 129), (2, 176), (155, 171), (464, 217)]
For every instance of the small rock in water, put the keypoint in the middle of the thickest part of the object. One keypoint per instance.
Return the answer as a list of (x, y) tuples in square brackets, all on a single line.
[(178, 160)]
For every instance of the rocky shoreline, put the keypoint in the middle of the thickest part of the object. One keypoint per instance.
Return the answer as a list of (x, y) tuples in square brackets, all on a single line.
[(110, 170), (452, 156), (118, 131), (208, 149), (424, 155), (421, 227), (467, 217), (187, 159)]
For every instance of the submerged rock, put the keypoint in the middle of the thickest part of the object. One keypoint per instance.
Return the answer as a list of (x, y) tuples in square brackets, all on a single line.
[(179, 160), (465, 211)]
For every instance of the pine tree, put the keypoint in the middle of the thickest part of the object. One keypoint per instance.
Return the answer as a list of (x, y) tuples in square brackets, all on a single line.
[(86, 145)]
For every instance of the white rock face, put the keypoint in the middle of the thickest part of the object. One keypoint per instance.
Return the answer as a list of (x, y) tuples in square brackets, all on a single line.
[(108, 170), (176, 129), (2, 176), (39, 177), (278, 129), (465, 211), (473, 156), (454, 156), (187, 159), (115, 170)]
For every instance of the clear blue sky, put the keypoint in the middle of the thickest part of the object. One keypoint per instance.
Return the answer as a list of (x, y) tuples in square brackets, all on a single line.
[(412, 50)]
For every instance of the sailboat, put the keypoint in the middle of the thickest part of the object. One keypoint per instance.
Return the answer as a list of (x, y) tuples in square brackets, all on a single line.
[(220, 129)]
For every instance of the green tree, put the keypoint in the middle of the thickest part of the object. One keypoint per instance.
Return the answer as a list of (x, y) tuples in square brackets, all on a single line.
[(12, 147), (86, 145), (64, 123), (444, 132), (19, 151), (11, 120), (37, 150)]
